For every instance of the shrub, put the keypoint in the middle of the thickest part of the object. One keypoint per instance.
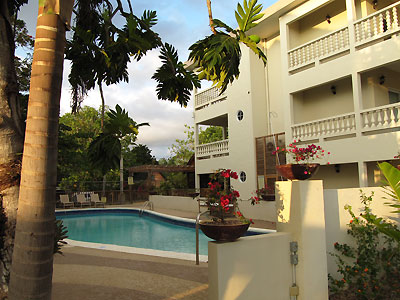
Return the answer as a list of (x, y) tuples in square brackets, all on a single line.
[(370, 269)]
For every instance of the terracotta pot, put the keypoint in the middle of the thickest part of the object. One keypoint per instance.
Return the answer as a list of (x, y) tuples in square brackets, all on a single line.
[(297, 171), (223, 232)]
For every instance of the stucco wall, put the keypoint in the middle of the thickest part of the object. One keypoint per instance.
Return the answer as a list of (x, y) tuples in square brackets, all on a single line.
[(174, 202), (255, 267)]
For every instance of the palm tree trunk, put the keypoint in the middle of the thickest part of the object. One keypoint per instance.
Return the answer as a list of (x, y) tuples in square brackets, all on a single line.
[(32, 265), (10, 139)]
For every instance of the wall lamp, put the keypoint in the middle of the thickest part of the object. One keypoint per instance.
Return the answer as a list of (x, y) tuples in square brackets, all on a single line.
[(333, 89), (382, 79), (328, 19), (374, 4)]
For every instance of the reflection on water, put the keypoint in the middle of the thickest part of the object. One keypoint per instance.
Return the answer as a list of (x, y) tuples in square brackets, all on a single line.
[(134, 231)]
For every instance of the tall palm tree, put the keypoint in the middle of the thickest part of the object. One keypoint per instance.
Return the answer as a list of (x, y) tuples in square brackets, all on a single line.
[(11, 140), (105, 151), (32, 264)]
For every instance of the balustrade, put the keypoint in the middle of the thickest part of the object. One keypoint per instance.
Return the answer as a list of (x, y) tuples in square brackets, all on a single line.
[(213, 149), (207, 97), (382, 23), (382, 117), (334, 126), (378, 25), (323, 47)]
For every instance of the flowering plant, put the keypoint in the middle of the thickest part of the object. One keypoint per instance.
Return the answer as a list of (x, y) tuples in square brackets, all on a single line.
[(302, 154), (222, 198)]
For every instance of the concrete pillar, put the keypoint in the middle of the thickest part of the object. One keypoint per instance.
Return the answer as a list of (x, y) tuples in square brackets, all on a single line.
[(251, 268), (362, 174), (224, 133), (300, 211)]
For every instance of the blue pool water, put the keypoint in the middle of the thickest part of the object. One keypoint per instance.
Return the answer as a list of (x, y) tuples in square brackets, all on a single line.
[(130, 229)]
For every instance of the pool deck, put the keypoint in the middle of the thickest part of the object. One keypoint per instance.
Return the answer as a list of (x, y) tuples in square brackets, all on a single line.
[(84, 273)]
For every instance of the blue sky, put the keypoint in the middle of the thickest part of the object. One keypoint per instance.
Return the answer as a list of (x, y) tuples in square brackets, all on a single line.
[(181, 23)]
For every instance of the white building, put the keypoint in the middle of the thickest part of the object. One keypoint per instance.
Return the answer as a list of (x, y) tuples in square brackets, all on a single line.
[(332, 78)]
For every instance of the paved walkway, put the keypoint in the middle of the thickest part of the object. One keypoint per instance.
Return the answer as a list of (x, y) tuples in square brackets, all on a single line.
[(86, 274)]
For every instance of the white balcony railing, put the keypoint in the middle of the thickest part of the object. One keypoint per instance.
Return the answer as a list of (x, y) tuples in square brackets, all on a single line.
[(372, 28), (382, 117), (377, 25), (219, 148), (328, 127), (208, 97), (328, 45)]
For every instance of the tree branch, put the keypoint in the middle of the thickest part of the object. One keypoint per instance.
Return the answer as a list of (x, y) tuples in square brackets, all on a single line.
[(210, 17)]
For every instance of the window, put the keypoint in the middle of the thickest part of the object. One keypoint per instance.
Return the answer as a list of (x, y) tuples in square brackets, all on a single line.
[(266, 162), (240, 115), (242, 176)]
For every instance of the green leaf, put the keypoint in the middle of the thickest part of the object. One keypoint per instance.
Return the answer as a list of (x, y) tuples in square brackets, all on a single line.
[(247, 15), (392, 183), (174, 81)]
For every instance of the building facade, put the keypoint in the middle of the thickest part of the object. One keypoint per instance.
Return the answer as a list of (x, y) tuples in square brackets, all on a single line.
[(332, 79)]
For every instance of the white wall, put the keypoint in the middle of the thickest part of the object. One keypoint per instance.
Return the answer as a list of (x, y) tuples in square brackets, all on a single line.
[(251, 268), (174, 202)]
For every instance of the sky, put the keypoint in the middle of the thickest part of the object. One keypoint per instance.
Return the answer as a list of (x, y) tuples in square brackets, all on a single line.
[(180, 23)]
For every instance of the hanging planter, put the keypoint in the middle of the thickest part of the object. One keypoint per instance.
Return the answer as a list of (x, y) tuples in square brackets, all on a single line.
[(297, 171), (224, 232)]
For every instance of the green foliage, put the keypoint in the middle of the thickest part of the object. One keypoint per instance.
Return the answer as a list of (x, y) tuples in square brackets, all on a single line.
[(370, 270), (247, 15), (210, 134), (183, 149), (175, 83), (391, 184), (217, 56), (105, 149), (76, 132), (60, 233), (139, 155)]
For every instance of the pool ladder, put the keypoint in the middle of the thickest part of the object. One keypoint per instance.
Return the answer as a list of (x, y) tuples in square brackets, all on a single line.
[(147, 203), (197, 236)]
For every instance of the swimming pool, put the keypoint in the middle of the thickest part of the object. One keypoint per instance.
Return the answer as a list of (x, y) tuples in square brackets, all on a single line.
[(124, 230)]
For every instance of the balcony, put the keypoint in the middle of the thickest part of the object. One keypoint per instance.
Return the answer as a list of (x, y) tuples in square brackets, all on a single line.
[(371, 29), (208, 97), (210, 150), (379, 118)]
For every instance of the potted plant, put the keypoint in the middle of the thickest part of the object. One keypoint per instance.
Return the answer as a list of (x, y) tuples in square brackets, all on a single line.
[(302, 167), (266, 193), (226, 222)]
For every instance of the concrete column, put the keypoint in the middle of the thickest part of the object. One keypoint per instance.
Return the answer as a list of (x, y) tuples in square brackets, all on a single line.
[(300, 211), (362, 174), (351, 17), (224, 133), (357, 101), (197, 181)]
